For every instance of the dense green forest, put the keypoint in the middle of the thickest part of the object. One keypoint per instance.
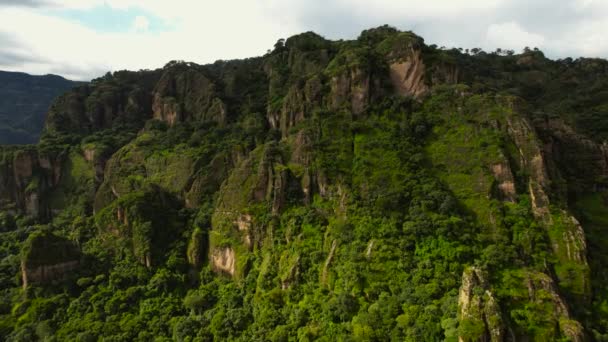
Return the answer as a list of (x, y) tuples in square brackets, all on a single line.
[(24, 101), (365, 190)]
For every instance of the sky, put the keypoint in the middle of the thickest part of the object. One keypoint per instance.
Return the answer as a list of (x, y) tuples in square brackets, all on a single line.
[(84, 39)]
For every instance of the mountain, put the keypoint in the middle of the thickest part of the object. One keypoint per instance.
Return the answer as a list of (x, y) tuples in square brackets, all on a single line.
[(24, 102), (372, 189)]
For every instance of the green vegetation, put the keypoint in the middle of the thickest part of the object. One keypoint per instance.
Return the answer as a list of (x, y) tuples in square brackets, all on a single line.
[(295, 197)]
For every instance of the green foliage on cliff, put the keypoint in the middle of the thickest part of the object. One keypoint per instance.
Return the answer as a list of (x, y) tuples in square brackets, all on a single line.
[(45, 248), (296, 196)]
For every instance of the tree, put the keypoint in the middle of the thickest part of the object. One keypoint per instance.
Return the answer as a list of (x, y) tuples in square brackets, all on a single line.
[(279, 45)]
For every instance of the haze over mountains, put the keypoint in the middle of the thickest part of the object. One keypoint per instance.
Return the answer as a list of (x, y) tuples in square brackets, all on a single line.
[(24, 102)]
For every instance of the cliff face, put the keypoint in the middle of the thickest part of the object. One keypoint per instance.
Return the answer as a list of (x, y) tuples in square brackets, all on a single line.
[(183, 95), (46, 257), (102, 104), (479, 312), (39, 183), (380, 185), (26, 180)]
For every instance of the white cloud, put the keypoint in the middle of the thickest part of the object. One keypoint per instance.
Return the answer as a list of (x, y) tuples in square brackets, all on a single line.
[(141, 23), (411, 8), (201, 35), (204, 31), (587, 39), (512, 36)]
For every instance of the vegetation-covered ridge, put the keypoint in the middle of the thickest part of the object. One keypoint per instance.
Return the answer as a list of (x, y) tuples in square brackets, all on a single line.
[(24, 102), (367, 190)]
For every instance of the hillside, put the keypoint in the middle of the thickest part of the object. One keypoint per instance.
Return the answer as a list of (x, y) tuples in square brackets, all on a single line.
[(368, 190), (24, 102)]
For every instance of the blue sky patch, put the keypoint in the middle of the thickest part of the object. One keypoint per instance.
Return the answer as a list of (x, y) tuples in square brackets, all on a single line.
[(106, 19)]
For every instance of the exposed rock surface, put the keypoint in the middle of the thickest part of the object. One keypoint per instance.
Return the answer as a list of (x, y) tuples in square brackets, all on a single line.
[(182, 95), (352, 89), (330, 257), (477, 305), (506, 183), (223, 260), (26, 179), (532, 159), (268, 157), (582, 162), (47, 273), (541, 288), (196, 249), (47, 257), (408, 76), (300, 101)]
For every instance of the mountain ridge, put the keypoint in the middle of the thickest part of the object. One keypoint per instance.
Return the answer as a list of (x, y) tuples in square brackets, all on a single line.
[(25, 101), (373, 189)]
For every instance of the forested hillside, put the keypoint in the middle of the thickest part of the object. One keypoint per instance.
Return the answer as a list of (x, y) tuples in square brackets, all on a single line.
[(24, 102), (365, 190)]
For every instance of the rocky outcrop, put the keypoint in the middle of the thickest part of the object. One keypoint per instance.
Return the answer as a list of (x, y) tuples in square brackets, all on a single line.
[(568, 240), (289, 269), (103, 106), (350, 89), (312, 180), (580, 161), (478, 307), (147, 221), (481, 317), (127, 159), (407, 70), (97, 159), (300, 101), (569, 246), (208, 179), (119, 98), (408, 75), (26, 180), (184, 93), (575, 244), (542, 288), (223, 260), (531, 159), (196, 249), (243, 224), (47, 257), (505, 181), (183, 175), (445, 73), (565, 233), (47, 273), (260, 181), (166, 109), (328, 261), (368, 250)]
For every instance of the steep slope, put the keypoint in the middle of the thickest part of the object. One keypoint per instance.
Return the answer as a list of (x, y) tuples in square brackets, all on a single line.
[(374, 189), (24, 102)]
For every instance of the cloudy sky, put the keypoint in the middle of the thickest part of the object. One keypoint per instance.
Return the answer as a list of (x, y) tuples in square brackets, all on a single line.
[(82, 39)]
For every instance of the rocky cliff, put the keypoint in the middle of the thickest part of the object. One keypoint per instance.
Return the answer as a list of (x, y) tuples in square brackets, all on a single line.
[(46, 257), (376, 188)]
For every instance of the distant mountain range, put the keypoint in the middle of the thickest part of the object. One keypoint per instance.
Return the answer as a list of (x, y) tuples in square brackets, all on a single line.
[(24, 101)]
